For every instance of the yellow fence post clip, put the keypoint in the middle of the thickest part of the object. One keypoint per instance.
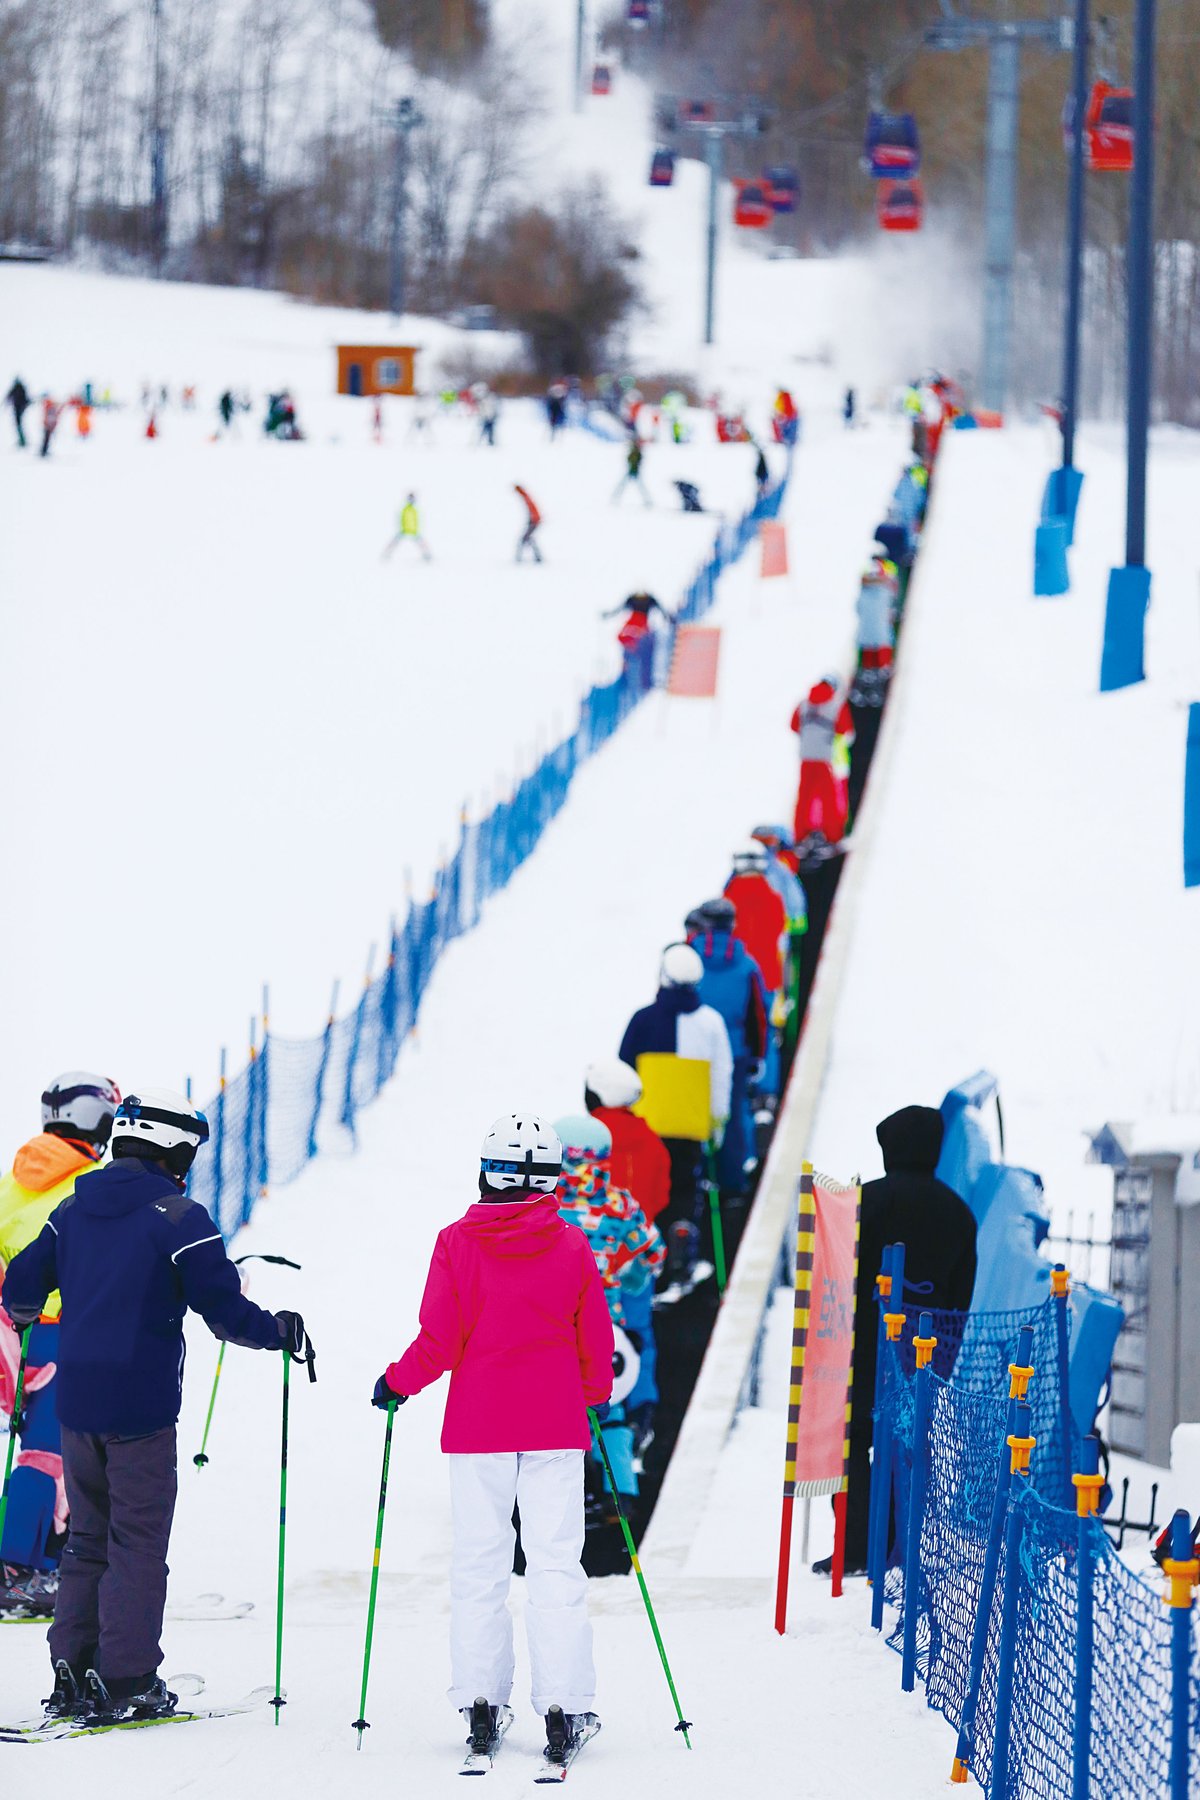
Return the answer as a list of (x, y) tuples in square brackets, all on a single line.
[(1021, 1448), (924, 1347)]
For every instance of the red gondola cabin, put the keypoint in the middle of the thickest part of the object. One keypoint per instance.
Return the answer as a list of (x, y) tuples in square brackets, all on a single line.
[(752, 208), (639, 12), (601, 79), (899, 205), (662, 168), (1108, 128)]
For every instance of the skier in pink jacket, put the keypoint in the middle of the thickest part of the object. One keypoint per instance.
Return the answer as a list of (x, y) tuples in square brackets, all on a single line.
[(514, 1310)]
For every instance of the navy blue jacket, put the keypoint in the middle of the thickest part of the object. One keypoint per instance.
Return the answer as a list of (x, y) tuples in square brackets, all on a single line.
[(130, 1254)]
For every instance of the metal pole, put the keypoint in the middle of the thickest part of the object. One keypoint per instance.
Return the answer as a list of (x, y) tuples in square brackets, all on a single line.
[(1075, 217), (577, 89), (1000, 202), (396, 270), (1141, 282), (714, 156), (158, 150)]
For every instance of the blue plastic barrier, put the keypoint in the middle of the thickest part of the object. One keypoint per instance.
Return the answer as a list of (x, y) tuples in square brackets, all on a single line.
[(1122, 661), (1191, 800)]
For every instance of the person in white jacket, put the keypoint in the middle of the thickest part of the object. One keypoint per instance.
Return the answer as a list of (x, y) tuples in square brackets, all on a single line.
[(678, 1027)]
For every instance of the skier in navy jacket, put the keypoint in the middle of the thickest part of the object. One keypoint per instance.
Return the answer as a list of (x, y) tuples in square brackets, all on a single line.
[(130, 1253)]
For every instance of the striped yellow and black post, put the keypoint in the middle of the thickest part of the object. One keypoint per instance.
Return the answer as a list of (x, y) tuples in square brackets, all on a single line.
[(839, 1499), (806, 1238)]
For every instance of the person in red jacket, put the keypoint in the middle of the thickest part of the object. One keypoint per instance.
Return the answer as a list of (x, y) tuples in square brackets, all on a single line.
[(822, 802), (762, 921), (514, 1310), (640, 1162), (532, 522)]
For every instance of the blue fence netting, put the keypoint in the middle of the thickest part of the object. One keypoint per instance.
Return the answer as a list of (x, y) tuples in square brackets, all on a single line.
[(298, 1096), (1001, 1650)]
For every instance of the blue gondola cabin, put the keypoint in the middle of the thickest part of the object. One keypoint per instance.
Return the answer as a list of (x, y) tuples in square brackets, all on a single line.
[(893, 145), (783, 188), (662, 168)]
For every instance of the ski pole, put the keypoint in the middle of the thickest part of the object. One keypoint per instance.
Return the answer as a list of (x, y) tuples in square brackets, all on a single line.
[(684, 1725), (12, 1429), (254, 1256), (279, 1701), (718, 1228), (200, 1458), (362, 1723)]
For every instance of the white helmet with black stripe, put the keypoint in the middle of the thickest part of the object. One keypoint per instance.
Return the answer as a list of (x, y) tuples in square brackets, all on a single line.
[(80, 1104), (160, 1124), (520, 1151)]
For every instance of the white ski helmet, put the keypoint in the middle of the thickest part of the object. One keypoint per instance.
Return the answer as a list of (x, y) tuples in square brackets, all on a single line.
[(681, 967), (751, 858), (80, 1104), (613, 1082), (584, 1139), (521, 1151), (161, 1124)]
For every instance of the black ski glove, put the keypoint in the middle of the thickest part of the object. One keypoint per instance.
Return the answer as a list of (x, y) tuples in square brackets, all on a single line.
[(291, 1332), (384, 1395)]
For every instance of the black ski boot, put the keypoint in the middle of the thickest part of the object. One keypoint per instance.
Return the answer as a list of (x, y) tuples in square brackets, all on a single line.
[(483, 1721), (70, 1697), (567, 1733), (128, 1697)]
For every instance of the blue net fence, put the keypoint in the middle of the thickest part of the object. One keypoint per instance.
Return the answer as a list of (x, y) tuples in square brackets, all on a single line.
[(1000, 1634), (297, 1097)]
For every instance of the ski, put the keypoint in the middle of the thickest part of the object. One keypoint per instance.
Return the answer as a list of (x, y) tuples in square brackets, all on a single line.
[(60, 1730), (204, 1609), (187, 1686), (679, 1290), (555, 1769), (479, 1762)]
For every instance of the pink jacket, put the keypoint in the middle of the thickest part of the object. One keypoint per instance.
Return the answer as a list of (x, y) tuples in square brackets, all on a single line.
[(514, 1308)]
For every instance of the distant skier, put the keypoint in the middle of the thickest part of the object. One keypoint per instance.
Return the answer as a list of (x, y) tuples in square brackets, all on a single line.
[(130, 1254), (489, 412), (822, 799), (849, 408), (637, 609), (514, 1311), (77, 1116), (533, 520), (18, 398), (556, 407), (226, 407), (51, 414), (762, 471), (634, 457), (689, 494), (409, 531)]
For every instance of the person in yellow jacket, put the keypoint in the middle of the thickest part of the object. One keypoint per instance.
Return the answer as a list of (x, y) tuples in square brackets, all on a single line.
[(77, 1116), (409, 530)]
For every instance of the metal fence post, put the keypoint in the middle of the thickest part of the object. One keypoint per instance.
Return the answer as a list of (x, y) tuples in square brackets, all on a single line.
[(1060, 1281), (881, 1468), (924, 1344), (1088, 1483), (1019, 1374), (1020, 1443), (1182, 1570)]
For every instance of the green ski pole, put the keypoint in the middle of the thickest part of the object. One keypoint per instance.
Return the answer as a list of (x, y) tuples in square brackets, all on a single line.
[(362, 1723), (254, 1256), (718, 1228), (200, 1459), (684, 1725), (12, 1429), (279, 1702)]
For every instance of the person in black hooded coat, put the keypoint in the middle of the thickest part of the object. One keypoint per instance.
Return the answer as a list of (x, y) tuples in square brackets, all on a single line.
[(910, 1206)]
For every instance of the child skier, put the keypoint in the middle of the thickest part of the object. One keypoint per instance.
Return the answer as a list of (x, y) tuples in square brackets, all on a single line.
[(409, 530), (639, 1156), (514, 1310), (533, 520), (632, 477), (130, 1253), (77, 1116)]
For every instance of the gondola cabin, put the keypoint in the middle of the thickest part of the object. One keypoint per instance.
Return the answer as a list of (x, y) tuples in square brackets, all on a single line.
[(602, 79), (782, 185), (751, 207), (697, 112), (662, 168), (899, 205), (893, 145), (639, 12), (1108, 128)]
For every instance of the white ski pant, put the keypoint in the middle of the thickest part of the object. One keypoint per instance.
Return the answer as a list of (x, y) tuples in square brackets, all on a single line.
[(547, 1485)]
